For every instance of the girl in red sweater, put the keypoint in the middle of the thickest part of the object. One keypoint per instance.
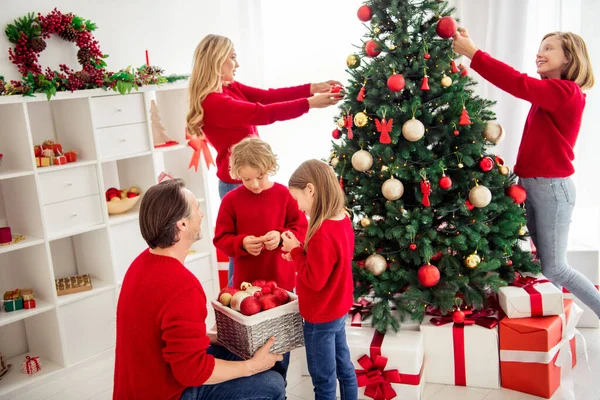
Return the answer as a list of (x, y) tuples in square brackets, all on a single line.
[(544, 161), (225, 111), (324, 278)]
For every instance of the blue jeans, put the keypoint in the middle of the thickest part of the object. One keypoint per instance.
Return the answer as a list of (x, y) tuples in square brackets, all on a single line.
[(328, 358), (268, 385), (225, 188), (549, 204)]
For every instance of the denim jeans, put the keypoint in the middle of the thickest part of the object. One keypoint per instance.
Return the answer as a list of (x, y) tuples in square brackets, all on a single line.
[(328, 358), (267, 385), (225, 188), (549, 204)]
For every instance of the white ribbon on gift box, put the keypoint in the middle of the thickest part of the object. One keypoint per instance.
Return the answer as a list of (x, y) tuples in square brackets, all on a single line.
[(569, 331)]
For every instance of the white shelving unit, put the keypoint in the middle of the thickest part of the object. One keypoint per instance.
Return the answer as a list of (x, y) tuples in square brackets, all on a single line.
[(61, 210)]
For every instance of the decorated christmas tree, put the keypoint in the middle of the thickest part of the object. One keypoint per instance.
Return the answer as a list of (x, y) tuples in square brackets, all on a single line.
[(438, 215)]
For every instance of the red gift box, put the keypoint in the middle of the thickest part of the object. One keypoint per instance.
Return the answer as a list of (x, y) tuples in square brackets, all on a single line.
[(60, 160), (37, 151), (31, 365), (27, 304), (71, 156)]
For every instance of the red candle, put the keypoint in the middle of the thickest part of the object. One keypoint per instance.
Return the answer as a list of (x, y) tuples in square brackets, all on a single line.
[(147, 61)]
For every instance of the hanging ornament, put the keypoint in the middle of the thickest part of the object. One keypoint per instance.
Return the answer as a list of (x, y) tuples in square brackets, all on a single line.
[(392, 189), (493, 132), (334, 162), (473, 260), (361, 119), (517, 192), (372, 49), (396, 82), (459, 160), (341, 122), (458, 317), (362, 160), (365, 222), (522, 231), (384, 128), (445, 182), (486, 164), (426, 56), (384, 168), (361, 93), (480, 196), (446, 81), (446, 27), (364, 13), (412, 246), (509, 262), (499, 160), (413, 130), (425, 188), (341, 183), (348, 126), (428, 275), (470, 206), (336, 133), (464, 117), (353, 61), (425, 83), (454, 69), (464, 71), (456, 132), (376, 264)]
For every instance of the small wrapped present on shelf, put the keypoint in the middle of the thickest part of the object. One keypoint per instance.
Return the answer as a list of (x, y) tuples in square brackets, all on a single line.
[(531, 297), (387, 365), (60, 160), (42, 161), (73, 284), (71, 156), (55, 147), (534, 350), (13, 300), (462, 354), (31, 365), (37, 151), (5, 235), (28, 298)]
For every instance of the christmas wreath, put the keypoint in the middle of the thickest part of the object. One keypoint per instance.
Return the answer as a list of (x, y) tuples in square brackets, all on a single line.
[(29, 35)]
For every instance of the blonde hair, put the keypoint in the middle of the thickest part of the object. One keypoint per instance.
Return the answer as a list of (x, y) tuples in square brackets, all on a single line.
[(329, 197), (255, 153), (579, 68), (209, 57)]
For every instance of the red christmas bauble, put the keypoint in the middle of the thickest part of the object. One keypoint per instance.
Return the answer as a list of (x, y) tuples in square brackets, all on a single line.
[(372, 49), (396, 82), (335, 134), (486, 164), (499, 160), (427, 56), (456, 132), (458, 317), (517, 192), (509, 263), (445, 182), (337, 88), (446, 27), (428, 275), (437, 256), (470, 206), (412, 246), (364, 13)]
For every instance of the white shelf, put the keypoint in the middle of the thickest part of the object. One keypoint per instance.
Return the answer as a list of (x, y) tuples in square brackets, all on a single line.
[(43, 170), (196, 256), (74, 232), (126, 156), (97, 288), (14, 316), (13, 173), (125, 217), (16, 379), (29, 241), (170, 148)]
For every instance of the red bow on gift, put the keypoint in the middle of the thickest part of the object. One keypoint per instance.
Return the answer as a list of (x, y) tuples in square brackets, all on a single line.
[(199, 144), (535, 297), (481, 318), (376, 379), (358, 310)]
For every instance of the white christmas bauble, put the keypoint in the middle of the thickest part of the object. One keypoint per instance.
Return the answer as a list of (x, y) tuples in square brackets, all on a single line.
[(335, 161), (413, 130), (493, 132), (392, 189), (362, 160), (480, 196), (237, 298), (376, 264)]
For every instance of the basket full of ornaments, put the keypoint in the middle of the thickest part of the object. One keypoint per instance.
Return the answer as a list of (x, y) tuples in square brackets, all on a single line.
[(248, 317)]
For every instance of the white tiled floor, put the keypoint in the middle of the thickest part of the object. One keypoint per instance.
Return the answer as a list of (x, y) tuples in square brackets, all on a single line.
[(94, 382)]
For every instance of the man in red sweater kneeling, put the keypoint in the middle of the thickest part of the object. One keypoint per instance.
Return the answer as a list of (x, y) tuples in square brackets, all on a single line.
[(163, 350)]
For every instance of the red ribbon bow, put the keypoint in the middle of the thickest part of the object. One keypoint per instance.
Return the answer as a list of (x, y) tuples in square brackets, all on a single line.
[(535, 297), (358, 310), (200, 146)]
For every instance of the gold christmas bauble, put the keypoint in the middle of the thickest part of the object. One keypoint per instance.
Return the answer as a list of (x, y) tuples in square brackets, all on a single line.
[(335, 161), (353, 61), (340, 123), (376, 264), (473, 260), (362, 160), (493, 132), (460, 165), (413, 130), (503, 170), (361, 119), (376, 30), (446, 81), (522, 231), (392, 189), (480, 196), (365, 222)]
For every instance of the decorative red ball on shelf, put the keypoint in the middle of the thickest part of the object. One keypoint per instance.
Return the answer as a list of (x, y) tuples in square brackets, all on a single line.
[(486, 164), (445, 182), (372, 49), (517, 192), (396, 82), (446, 27), (364, 13), (428, 275), (458, 317), (336, 134)]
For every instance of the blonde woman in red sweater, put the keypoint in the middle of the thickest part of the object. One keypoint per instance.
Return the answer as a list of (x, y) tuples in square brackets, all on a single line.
[(544, 161), (226, 111), (324, 278)]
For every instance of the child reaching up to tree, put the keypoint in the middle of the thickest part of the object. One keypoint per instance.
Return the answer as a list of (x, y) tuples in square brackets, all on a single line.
[(324, 277)]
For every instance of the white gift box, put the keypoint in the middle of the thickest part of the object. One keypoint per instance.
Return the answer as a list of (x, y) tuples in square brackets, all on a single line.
[(481, 366), (404, 351), (538, 298), (586, 260)]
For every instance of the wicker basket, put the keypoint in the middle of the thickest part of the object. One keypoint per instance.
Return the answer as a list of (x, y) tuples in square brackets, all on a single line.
[(244, 335)]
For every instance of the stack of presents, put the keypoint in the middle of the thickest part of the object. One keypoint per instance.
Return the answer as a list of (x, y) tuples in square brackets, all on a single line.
[(524, 343)]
